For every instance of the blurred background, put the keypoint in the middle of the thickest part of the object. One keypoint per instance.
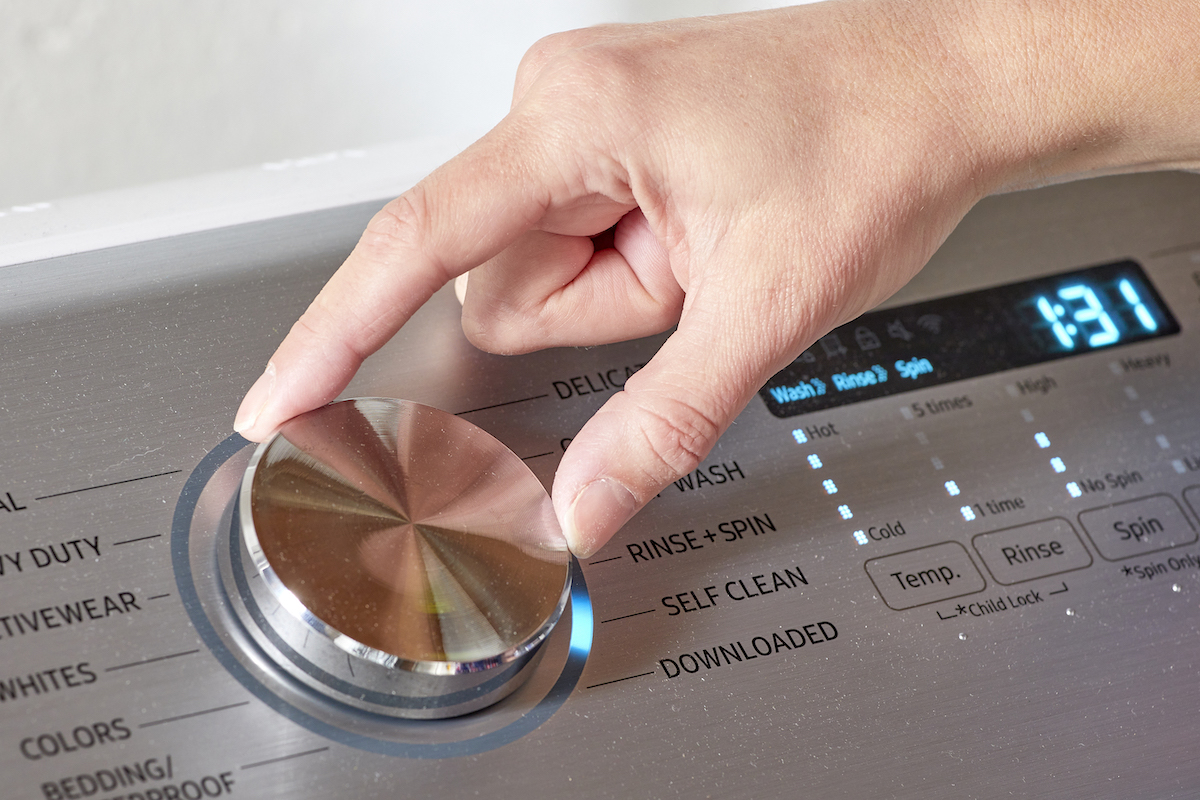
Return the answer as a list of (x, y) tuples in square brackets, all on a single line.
[(100, 94)]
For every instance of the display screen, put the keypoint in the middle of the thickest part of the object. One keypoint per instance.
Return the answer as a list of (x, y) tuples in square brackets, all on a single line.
[(967, 335)]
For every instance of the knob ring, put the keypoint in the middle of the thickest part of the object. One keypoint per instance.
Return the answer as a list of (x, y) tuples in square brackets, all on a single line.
[(286, 598), (473, 563), (199, 543), (246, 602)]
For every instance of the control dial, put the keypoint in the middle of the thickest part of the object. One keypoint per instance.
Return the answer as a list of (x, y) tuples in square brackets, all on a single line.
[(397, 558)]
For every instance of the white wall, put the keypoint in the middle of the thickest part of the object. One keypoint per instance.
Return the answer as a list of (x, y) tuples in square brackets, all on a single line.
[(96, 94)]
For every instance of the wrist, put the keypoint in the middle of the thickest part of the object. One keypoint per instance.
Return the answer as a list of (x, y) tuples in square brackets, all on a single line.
[(1061, 89)]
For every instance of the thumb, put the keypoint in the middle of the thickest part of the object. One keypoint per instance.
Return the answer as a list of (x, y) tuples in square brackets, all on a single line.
[(658, 428)]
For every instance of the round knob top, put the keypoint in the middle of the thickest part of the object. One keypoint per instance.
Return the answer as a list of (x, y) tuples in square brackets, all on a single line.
[(406, 535)]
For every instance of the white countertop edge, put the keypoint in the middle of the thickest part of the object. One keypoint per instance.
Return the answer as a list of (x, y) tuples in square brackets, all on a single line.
[(44, 230)]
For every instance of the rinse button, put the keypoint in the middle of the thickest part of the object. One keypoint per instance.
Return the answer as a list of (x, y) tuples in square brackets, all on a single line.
[(925, 575), (1135, 527), (1036, 550)]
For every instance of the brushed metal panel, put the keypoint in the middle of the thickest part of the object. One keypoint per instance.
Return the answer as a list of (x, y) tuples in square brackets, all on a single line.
[(739, 646)]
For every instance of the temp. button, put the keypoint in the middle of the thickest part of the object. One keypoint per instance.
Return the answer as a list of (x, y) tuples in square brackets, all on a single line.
[(1135, 527), (925, 575)]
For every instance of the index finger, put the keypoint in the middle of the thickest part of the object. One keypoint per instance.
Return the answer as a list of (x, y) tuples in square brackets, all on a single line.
[(464, 213)]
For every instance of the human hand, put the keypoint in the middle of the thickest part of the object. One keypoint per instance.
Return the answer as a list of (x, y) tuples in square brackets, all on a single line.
[(766, 177)]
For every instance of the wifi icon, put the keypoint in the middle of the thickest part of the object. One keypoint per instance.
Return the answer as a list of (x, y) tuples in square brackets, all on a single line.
[(930, 323)]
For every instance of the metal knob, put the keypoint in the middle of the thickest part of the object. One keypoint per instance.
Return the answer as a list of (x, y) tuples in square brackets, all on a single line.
[(398, 558)]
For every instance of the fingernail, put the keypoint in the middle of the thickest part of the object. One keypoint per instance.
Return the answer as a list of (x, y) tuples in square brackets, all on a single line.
[(256, 400), (460, 287), (599, 511)]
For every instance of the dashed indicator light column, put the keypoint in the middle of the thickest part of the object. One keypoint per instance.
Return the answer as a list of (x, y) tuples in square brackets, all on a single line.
[(1056, 463), (951, 486), (1042, 439), (967, 512), (828, 484), (1145, 414)]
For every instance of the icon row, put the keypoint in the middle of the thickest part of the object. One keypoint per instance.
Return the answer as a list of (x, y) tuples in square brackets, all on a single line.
[(867, 340)]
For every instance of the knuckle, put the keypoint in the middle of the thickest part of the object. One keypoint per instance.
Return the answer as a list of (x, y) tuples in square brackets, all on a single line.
[(585, 67), (404, 225), (482, 332), (494, 329), (400, 221), (677, 433), (548, 48)]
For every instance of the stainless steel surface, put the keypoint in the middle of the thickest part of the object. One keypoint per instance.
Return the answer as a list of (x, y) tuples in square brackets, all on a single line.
[(729, 642), (421, 552)]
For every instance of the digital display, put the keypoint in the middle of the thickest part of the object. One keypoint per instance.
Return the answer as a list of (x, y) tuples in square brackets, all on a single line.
[(968, 335)]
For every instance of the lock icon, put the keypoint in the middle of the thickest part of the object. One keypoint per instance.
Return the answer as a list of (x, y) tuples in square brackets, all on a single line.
[(866, 338)]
